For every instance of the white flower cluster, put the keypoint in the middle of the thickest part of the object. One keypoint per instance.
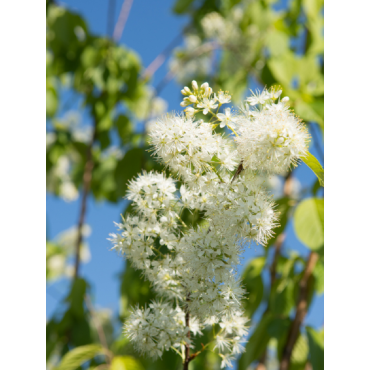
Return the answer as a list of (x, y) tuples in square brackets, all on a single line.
[(157, 328), (271, 137), (196, 267)]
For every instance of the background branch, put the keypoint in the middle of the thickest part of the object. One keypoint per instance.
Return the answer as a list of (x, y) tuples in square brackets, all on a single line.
[(122, 18), (87, 176), (300, 313), (99, 328)]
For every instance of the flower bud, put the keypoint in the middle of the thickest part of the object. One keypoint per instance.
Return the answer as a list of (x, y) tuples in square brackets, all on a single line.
[(194, 84), (192, 98), (205, 86), (187, 90), (285, 99), (190, 111), (183, 92)]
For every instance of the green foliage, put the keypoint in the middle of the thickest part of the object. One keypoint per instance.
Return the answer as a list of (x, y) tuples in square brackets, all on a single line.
[(125, 363), (78, 356), (309, 222), (257, 342), (127, 168), (253, 283), (316, 344), (315, 166)]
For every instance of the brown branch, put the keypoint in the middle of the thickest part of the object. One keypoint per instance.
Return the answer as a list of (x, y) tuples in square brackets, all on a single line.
[(187, 323), (301, 311), (122, 18), (288, 187), (87, 176)]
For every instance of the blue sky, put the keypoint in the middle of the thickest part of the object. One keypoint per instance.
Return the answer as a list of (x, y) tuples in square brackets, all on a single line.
[(150, 28)]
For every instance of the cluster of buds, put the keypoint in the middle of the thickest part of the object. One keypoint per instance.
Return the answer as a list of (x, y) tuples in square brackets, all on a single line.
[(195, 95), (202, 98)]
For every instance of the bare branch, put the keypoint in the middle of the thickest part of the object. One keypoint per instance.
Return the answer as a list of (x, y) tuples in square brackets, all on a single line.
[(122, 18), (187, 323), (87, 176), (300, 313), (159, 60)]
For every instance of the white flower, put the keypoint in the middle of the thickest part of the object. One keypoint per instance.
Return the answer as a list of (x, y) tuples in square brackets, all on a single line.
[(223, 98), (189, 111), (274, 94), (259, 98), (207, 105), (226, 361), (226, 119)]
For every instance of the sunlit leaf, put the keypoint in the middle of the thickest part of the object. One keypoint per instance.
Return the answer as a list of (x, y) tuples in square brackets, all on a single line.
[(77, 356), (309, 222)]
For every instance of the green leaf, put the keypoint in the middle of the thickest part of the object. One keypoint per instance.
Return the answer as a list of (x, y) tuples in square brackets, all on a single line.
[(76, 297), (299, 354), (311, 111), (124, 128), (127, 168), (257, 343), (309, 222), (282, 297), (77, 356), (315, 166), (125, 363), (252, 280), (278, 327), (181, 6), (283, 208), (318, 272), (316, 345)]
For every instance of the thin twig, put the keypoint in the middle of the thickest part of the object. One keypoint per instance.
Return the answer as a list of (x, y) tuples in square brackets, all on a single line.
[(160, 58), (300, 313), (99, 328), (87, 176), (202, 49), (122, 18)]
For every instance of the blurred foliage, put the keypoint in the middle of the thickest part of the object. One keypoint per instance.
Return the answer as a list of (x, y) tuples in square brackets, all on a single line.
[(96, 95)]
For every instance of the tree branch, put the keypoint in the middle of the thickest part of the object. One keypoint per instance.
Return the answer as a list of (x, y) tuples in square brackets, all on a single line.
[(122, 18), (187, 323), (87, 176), (159, 60), (301, 311)]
